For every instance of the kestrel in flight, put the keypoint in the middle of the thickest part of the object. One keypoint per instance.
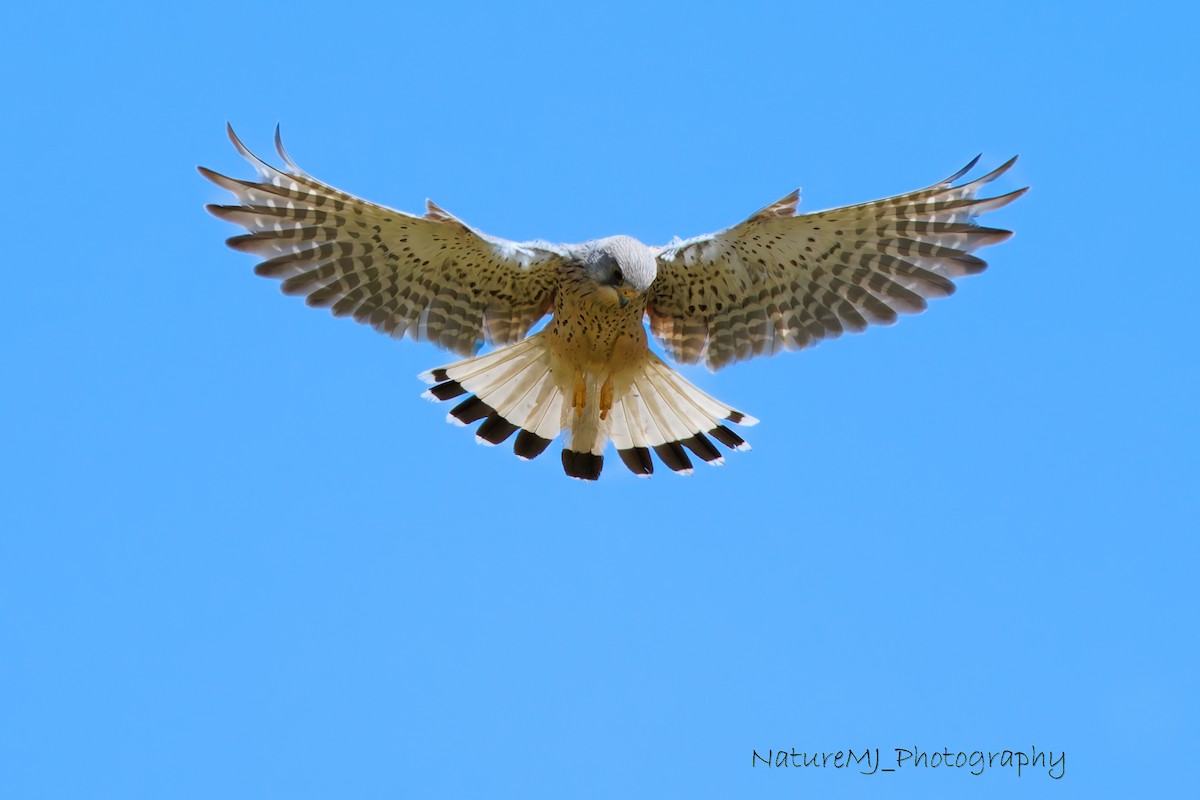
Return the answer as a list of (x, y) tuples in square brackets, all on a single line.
[(780, 280)]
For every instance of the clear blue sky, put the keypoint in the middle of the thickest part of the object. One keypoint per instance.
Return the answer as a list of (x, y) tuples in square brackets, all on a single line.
[(240, 557)]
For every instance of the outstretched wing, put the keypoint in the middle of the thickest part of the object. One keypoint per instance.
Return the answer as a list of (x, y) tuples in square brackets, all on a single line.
[(431, 278), (784, 281)]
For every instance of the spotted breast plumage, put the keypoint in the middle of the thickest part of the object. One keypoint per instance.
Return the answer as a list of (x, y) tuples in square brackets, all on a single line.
[(780, 280)]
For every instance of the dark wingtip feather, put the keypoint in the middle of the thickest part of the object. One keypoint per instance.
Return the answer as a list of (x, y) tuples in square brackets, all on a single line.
[(638, 460), (585, 466), (274, 268), (245, 243), (529, 445), (971, 265), (977, 207), (287, 159), (297, 285), (233, 138), (970, 166), (1007, 164), (996, 173), (986, 237), (1015, 194), (227, 183)]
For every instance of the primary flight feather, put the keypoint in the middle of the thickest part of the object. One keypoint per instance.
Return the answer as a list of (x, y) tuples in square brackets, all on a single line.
[(777, 281)]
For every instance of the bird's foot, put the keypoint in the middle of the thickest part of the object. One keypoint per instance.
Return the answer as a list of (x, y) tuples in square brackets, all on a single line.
[(606, 397), (580, 398)]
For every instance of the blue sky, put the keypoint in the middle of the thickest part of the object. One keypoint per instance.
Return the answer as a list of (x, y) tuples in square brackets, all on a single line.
[(240, 557)]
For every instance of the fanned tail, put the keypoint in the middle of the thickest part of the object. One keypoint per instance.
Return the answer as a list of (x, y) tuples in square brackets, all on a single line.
[(512, 390), (654, 409), (661, 412)]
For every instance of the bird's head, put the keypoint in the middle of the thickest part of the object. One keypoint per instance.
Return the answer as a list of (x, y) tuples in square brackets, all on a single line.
[(622, 267)]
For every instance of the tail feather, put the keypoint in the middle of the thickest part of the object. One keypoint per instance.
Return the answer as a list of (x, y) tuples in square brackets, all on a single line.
[(546, 418), (661, 412), (512, 390), (529, 445), (517, 397), (703, 448), (516, 390), (728, 438), (638, 460), (494, 430), (669, 426), (707, 407), (674, 457), (665, 414)]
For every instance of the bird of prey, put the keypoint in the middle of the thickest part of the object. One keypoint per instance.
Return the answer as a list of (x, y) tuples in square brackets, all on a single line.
[(779, 280)]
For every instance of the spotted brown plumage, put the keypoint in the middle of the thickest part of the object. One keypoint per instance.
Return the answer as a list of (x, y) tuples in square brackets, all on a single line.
[(784, 281), (431, 277), (779, 280)]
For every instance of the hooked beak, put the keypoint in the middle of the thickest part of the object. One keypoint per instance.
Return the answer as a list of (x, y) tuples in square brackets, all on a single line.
[(624, 295)]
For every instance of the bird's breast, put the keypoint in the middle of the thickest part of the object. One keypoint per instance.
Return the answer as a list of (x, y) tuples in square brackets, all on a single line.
[(589, 331)]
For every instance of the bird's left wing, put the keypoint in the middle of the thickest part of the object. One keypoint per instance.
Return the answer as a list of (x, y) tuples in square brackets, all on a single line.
[(783, 281), (431, 278)]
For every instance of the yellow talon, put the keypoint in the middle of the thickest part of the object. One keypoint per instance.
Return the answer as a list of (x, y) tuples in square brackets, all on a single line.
[(580, 395)]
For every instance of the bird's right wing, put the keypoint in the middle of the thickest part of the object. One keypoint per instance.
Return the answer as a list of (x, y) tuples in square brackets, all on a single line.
[(431, 278), (783, 281)]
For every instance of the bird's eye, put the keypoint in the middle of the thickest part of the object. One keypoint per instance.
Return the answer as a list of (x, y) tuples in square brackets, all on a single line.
[(618, 278)]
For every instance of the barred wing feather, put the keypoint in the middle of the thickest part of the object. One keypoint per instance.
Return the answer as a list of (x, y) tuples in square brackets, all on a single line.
[(429, 278), (785, 281)]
